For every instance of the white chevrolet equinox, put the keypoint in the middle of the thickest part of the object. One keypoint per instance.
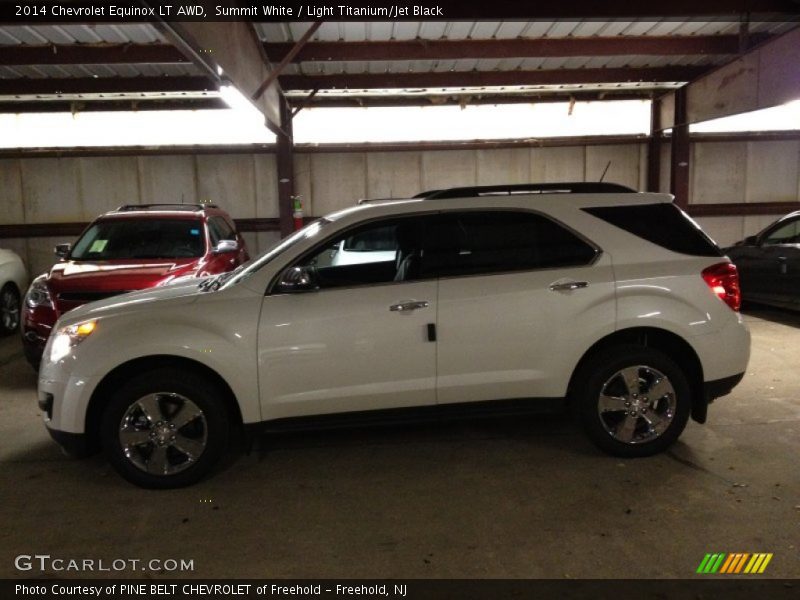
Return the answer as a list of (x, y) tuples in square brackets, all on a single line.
[(466, 301)]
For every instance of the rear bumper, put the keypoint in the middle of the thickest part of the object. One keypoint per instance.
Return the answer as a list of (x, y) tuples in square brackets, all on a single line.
[(721, 387), (711, 391)]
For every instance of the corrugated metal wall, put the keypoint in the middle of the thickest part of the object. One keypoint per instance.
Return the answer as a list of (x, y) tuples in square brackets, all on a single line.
[(50, 190)]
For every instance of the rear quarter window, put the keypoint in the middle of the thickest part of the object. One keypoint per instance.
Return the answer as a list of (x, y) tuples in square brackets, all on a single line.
[(663, 224)]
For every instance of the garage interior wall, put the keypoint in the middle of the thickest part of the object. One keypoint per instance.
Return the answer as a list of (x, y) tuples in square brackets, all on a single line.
[(77, 189)]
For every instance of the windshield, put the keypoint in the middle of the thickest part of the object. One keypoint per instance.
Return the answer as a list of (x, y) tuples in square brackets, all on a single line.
[(309, 231), (121, 239)]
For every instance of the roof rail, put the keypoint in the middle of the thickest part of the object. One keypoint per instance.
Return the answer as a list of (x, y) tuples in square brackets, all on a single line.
[(580, 187), (166, 206), (370, 200)]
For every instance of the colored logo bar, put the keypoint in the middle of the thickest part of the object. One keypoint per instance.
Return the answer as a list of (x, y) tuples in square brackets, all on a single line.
[(737, 562)]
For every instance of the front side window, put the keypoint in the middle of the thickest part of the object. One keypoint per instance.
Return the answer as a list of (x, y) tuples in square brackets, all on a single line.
[(219, 230), (381, 252), (788, 233), (134, 239), (484, 242)]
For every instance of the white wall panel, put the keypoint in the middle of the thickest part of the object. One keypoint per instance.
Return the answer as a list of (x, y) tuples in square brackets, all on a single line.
[(723, 230), (167, 179), (393, 174), (719, 172), (51, 190), (106, 183), (266, 178), (228, 180), (556, 164), (12, 209), (337, 181), (622, 162), (448, 168), (509, 165), (772, 171)]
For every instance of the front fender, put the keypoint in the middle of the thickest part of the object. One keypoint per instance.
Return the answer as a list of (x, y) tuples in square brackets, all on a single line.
[(226, 344)]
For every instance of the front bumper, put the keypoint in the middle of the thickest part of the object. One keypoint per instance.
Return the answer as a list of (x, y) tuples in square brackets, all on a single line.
[(75, 445)]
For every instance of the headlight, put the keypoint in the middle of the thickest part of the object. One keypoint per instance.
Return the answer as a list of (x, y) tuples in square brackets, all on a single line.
[(38, 294), (66, 338)]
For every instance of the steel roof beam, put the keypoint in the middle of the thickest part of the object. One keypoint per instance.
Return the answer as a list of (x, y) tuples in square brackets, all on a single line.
[(511, 48), (104, 85), (457, 79), (91, 54)]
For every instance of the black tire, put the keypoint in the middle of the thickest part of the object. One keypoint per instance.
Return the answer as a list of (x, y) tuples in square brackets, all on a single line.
[(605, 372), (172, 391), (10, 301)]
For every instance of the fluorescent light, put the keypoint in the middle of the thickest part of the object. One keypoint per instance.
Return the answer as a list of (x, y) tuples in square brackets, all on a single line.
[(236, 100)]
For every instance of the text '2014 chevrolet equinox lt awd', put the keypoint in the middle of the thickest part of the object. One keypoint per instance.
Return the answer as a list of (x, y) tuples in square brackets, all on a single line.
[(506, 298)]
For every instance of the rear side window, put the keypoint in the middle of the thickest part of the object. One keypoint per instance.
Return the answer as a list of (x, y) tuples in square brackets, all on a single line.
[(483, 242), (663, 224)]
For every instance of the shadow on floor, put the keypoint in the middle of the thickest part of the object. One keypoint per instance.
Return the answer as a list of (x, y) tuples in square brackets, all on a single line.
[(776, 315), (556, 429)]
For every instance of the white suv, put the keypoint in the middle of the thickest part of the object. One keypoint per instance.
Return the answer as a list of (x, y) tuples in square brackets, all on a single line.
[(495, 299)]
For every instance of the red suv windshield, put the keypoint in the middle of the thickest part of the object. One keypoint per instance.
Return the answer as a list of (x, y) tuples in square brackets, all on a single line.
[(121, 239)]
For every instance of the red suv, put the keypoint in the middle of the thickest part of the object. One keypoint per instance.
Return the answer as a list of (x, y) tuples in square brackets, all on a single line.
[(131, 248)]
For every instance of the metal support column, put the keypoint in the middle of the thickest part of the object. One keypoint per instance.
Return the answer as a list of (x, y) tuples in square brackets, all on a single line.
[(285, 164), (679, 172), (654, 148)]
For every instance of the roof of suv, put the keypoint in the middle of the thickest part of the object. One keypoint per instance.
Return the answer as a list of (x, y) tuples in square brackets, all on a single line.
[(165, 209), (576, 195)]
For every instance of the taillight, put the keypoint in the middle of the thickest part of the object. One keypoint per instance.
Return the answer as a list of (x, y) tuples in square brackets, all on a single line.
[(723, 279)]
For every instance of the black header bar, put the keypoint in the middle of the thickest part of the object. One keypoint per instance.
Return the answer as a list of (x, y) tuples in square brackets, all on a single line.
[(733, 588), (137, 11)]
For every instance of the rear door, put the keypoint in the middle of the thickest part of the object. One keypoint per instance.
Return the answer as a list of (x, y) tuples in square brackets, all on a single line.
[(519, 295)]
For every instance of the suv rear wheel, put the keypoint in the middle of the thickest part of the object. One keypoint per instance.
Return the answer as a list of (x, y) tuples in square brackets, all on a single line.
[(165, 428), (632, 401)]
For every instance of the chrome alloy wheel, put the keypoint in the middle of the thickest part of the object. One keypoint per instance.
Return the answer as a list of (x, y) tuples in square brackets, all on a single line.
[(163, 433), (9, 309), (636, 404)]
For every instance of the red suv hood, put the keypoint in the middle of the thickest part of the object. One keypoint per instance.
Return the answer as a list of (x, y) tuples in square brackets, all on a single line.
[(73, 283)]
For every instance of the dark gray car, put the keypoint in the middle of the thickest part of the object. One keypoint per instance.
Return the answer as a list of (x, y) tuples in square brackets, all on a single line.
[(769, 263)]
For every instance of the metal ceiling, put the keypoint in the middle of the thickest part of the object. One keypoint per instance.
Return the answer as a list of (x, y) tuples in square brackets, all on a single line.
[(462, 30), (123, 35)]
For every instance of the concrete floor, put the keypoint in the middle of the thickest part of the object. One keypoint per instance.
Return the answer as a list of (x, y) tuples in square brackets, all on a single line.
[(509, 498)]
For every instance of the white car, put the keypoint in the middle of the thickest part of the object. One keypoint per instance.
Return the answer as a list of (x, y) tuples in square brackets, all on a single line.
[(13, 282), (501, 299)]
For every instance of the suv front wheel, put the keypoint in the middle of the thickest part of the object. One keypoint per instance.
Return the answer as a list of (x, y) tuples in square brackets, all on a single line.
[(165, 428), (632, 401)]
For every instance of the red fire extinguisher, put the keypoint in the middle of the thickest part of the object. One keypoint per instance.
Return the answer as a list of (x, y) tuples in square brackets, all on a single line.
[(298, 213)]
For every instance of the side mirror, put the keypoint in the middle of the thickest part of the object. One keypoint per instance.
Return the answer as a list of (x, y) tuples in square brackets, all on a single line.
[(297, 279), (225, 246), (62, 250)]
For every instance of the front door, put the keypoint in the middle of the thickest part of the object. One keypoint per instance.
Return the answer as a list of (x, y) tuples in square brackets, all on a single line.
[(361, 341)]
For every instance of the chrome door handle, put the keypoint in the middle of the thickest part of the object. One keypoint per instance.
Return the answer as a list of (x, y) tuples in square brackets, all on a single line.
[(568, 286), (409, 306)]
